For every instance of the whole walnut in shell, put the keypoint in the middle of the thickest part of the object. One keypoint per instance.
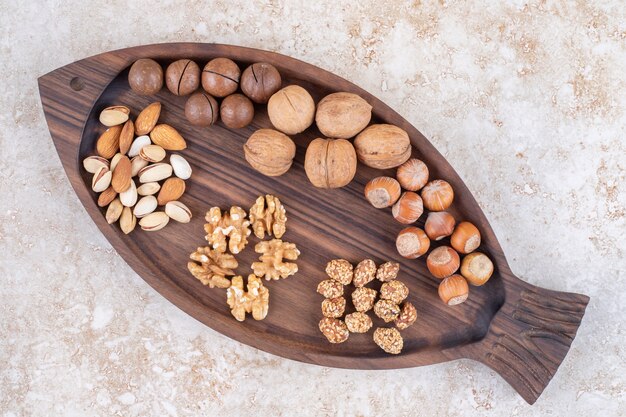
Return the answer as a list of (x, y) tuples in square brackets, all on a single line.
[(342, 115), (330, 163), (291, 109), (383, 146), (270, 152)]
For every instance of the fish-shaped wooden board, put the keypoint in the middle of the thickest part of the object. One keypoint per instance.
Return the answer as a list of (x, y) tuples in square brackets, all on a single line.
[(521, 331)]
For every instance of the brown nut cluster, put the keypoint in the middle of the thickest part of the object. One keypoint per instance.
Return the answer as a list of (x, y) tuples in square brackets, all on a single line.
[(386, 310), (384, 146), (340, 270), (387, 307), (335, 330), (329, 288), (130, 172), (408, 315), (268, 215), (272, 262), (334, 307), (389, 339), (221, 78), (387, 271), (358, 322), (394, 291), (212, 267), (363, 298), (227, 234), (255, 300), (364, 273)]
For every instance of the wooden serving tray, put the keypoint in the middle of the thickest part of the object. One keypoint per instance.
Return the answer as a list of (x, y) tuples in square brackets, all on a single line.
[(521, 331)]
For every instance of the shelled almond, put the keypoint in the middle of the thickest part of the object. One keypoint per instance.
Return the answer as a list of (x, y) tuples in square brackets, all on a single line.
[(129, 168)]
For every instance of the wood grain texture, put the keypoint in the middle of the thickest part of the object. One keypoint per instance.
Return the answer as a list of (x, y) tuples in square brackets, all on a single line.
[(521, 331)]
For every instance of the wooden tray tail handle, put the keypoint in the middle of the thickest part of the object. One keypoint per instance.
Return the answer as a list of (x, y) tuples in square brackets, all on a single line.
[(530, 337)]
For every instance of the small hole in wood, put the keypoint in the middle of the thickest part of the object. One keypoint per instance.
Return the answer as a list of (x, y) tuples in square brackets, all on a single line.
[(77, 83)]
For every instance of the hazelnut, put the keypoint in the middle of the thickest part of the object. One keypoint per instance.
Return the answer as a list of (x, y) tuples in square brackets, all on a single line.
[(443, 262), (182, 77), (453, 290), (270, 152), (342, 115), (477, 268), (236, 111), (330, 163), (465, 238), (291, 109), (145, 77), (220, 77), (382, 192), (437, 195), (412, 243), (412, 175), (201, 109), (408, 208), (260, 81), (383, 146), (439, 224)]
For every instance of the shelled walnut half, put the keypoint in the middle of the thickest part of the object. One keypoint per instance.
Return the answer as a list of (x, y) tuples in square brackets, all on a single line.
[(255, 300), (268, 215), (212, 267), (272, 263), (232, 224)]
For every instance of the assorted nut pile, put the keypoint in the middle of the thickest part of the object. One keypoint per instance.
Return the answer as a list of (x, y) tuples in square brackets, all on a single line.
[(227, 235), (330, 162), (391, 305), (130, 174), (412, 242)]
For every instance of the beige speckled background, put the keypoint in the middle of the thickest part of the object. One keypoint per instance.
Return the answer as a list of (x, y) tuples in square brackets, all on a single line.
[(526, 100)]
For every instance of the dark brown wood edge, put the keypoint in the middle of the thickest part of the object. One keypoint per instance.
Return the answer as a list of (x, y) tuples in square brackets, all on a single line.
[(530, 336), (512, 346)]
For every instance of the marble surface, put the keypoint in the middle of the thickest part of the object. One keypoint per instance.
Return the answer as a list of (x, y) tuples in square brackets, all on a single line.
[(526, 99)]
